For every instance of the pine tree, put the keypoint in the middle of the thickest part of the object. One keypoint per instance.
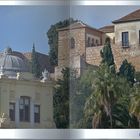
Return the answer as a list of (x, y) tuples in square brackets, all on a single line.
[(35, 64)]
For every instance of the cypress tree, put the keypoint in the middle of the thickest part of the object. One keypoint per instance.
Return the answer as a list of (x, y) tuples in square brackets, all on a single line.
[(107, 55), (35, 64), (61, 100)]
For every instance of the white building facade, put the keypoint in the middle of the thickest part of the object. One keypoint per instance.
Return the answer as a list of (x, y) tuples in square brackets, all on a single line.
[(25, 102)]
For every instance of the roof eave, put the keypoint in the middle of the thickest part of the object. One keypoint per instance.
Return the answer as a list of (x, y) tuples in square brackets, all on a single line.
[(63, 29), (119, 21)]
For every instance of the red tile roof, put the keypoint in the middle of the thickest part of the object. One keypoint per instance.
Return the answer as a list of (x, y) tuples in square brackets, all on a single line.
[(134, 16), (107, 29), (43, 61), (77, 25)]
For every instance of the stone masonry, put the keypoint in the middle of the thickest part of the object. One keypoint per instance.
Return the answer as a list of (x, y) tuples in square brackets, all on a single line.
[(89, 41), (131, 54)]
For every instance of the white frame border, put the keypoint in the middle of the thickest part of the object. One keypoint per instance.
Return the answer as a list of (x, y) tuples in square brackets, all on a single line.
[(69, 133)]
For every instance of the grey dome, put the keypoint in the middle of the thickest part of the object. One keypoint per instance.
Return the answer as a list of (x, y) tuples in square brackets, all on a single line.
[(11, 64), (8, 50)]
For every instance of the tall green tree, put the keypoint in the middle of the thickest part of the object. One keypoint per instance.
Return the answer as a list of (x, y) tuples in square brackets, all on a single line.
[(127, 70), (135, 104), (110, 95), (53, 39), (35, 64), (107, 55), (84, 87), (106, 99), (61, 100)]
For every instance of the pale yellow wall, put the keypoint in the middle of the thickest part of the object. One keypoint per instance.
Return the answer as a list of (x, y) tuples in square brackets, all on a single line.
[(133, 29), (92, 36), (111, 36), (40, 93)]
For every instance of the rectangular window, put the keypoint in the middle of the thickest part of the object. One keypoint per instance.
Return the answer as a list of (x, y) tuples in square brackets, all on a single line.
[(24, 109), (37, 113), (125, 39), (12, 111), (97, 42), (92, 44), (139, 36)]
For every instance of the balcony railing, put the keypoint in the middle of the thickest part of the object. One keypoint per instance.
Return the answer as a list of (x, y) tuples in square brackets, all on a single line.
[(125, 44)]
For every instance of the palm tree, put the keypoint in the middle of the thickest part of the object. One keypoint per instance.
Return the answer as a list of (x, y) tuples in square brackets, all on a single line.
[(106, 85), (100, 98), (135, 104), (95, 109), (109, 89)]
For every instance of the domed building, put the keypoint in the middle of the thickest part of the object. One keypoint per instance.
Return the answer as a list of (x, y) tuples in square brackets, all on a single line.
[(11, 64), (25, 102)]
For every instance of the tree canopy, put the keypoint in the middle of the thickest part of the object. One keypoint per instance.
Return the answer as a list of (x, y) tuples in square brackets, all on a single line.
[(110, 102), (127, 70)]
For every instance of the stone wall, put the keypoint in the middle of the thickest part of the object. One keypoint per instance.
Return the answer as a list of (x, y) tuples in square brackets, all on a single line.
[(69, 57), (132, 28), (95, 33), (64, 50), (63, 53), (132, 54), (93, 55)]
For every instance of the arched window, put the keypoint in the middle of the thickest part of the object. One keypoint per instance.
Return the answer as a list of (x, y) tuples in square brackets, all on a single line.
[(24, 108), (92, 44), (72, 43), (97, 43), (88, 42)]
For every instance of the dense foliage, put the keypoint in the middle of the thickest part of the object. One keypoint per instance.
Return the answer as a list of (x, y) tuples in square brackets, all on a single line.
[(127, 70), (100, 98), (107, 99), (61, 100), (53, 39), (106, 54), (77, 101)]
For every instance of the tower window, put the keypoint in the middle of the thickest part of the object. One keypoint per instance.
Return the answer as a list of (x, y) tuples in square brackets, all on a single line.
[(72, 43), (12, 111), (24, 108), (92, 44), (88, 42), (37, 113), (125, 39), (97, 43)]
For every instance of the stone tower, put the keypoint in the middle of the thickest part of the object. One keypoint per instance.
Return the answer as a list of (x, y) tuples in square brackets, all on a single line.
[(72, 44)]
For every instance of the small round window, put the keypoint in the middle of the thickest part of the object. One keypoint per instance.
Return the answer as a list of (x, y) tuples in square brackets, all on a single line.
[(72, 43)]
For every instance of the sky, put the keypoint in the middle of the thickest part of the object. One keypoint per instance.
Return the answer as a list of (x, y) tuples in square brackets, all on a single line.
[(21, 26)]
